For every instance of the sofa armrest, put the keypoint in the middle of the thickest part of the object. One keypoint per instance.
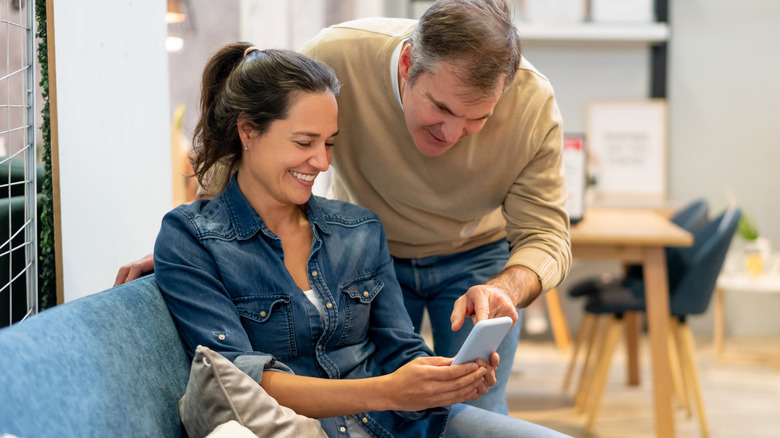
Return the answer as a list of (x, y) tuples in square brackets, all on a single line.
[(108, 364)]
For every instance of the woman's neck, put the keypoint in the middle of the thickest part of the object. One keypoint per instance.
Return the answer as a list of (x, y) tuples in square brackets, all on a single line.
[(281, 218), (289, 223)]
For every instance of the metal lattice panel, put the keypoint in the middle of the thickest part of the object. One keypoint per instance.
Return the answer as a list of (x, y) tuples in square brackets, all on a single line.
[(18, 164)]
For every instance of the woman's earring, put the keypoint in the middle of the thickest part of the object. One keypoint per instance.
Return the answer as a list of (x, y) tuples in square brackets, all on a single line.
[(246, 148)]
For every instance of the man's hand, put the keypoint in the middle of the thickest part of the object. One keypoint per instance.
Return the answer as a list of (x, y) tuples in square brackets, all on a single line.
[(482, 302), (516, 286), (133, 270)]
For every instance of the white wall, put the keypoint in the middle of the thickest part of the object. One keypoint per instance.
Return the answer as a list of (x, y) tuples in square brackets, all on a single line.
[(114, 135), (582, 72), (280, 25), (724, 106), (723, 95), (724, 100)]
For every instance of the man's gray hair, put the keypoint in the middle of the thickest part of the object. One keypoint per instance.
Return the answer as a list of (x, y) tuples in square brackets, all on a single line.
[(477, 36)]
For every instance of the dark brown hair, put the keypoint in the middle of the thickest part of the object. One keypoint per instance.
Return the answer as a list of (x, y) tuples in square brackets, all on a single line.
[(261, 84), (477, 36)]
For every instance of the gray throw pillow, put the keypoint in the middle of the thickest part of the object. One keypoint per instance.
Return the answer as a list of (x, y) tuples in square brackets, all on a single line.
[(218, 392)]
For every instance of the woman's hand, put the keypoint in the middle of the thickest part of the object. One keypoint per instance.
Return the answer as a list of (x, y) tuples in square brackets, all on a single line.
[(425, 382), (490, 375), (428, 382)]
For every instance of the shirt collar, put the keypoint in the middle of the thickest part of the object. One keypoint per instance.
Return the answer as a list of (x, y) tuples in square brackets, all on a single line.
[(394, 73), (247, 222)]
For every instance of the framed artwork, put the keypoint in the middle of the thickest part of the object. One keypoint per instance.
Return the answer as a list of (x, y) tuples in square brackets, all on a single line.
[(627, 148)]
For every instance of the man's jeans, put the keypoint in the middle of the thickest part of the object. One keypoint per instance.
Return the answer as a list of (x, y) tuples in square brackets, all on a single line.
[(434, 283)]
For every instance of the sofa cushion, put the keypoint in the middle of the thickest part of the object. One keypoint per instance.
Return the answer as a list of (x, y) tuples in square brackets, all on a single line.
[(218, 392), (109, 364)]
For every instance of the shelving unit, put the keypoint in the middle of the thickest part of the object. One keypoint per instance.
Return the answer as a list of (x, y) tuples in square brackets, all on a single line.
[(650, 33), (655, 34)]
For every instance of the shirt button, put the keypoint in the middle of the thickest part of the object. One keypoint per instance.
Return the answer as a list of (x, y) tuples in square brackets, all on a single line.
[(313, 273), (262, 313), (221, 337), (319, 347), (365, 293), (329, 305), (365, 420), (342, 429)]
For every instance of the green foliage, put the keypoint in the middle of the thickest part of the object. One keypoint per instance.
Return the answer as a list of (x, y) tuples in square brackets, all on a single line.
[(746, 229), (47, 275)]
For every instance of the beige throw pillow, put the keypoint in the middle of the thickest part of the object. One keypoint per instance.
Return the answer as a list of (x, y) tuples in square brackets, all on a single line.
[(218, 392), (231, 429)]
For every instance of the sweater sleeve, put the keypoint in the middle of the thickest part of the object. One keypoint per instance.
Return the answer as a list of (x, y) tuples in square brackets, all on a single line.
[(537, 224)]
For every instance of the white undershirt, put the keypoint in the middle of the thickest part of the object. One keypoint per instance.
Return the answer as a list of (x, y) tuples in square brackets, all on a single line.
[(394, 73), (316, 301), (355, 431)]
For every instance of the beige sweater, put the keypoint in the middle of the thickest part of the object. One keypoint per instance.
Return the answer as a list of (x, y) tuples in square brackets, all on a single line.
[(504, 182)]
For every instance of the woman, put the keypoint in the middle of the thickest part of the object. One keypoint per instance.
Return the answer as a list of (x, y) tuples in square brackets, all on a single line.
[(299, 291)]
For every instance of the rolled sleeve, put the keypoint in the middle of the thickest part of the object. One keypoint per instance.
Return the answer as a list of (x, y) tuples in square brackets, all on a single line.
[(254, 365)]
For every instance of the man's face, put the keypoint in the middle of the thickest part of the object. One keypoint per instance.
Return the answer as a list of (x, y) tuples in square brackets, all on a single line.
[(440, 109)]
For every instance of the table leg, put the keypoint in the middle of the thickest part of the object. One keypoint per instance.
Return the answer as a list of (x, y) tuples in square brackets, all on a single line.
[(657, 298), (560, 327)]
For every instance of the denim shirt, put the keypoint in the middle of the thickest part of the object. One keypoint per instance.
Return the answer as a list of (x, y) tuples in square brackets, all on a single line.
[(222, 274)]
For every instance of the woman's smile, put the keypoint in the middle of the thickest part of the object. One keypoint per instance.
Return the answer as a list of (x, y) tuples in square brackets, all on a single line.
[(305, 178)]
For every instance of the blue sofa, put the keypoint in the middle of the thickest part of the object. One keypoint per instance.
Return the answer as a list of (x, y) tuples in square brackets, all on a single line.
[(109, 364)]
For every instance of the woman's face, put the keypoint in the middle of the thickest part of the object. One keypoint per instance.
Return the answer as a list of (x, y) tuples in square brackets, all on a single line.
[(281, 164)]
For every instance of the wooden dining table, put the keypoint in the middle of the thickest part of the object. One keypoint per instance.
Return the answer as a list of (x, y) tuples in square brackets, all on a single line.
[(639, 236)]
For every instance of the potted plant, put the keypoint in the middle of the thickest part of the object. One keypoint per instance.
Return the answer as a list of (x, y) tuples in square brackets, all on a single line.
[(756, 248)]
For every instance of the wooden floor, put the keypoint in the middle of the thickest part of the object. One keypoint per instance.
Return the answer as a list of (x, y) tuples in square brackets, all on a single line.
[(742, 399)]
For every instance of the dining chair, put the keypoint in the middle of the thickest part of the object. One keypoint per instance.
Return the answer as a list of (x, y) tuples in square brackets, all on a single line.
[(691, 217), (691, 289)]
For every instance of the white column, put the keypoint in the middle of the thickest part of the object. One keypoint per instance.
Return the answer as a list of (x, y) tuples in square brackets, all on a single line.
[(114, 135)]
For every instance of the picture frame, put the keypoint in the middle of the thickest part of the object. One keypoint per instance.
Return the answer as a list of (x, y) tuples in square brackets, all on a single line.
[(627, 149)]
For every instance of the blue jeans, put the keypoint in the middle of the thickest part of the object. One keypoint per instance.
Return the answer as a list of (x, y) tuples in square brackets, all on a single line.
[(467, 422), (434, 283)]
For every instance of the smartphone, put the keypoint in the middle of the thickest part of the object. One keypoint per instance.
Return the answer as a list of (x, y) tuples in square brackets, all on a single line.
[(483, 340)]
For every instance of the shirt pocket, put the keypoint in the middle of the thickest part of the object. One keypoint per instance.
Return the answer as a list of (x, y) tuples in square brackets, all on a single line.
[(358, 295), (268, 322)]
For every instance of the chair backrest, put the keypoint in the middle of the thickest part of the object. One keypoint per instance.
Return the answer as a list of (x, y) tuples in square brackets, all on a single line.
[(691, 218), (691, 295)]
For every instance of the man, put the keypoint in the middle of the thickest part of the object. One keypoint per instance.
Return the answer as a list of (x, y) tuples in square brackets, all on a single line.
[(455, 142)]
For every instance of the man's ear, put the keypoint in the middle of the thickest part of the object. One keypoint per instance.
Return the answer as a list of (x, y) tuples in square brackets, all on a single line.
[(405, 61)]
